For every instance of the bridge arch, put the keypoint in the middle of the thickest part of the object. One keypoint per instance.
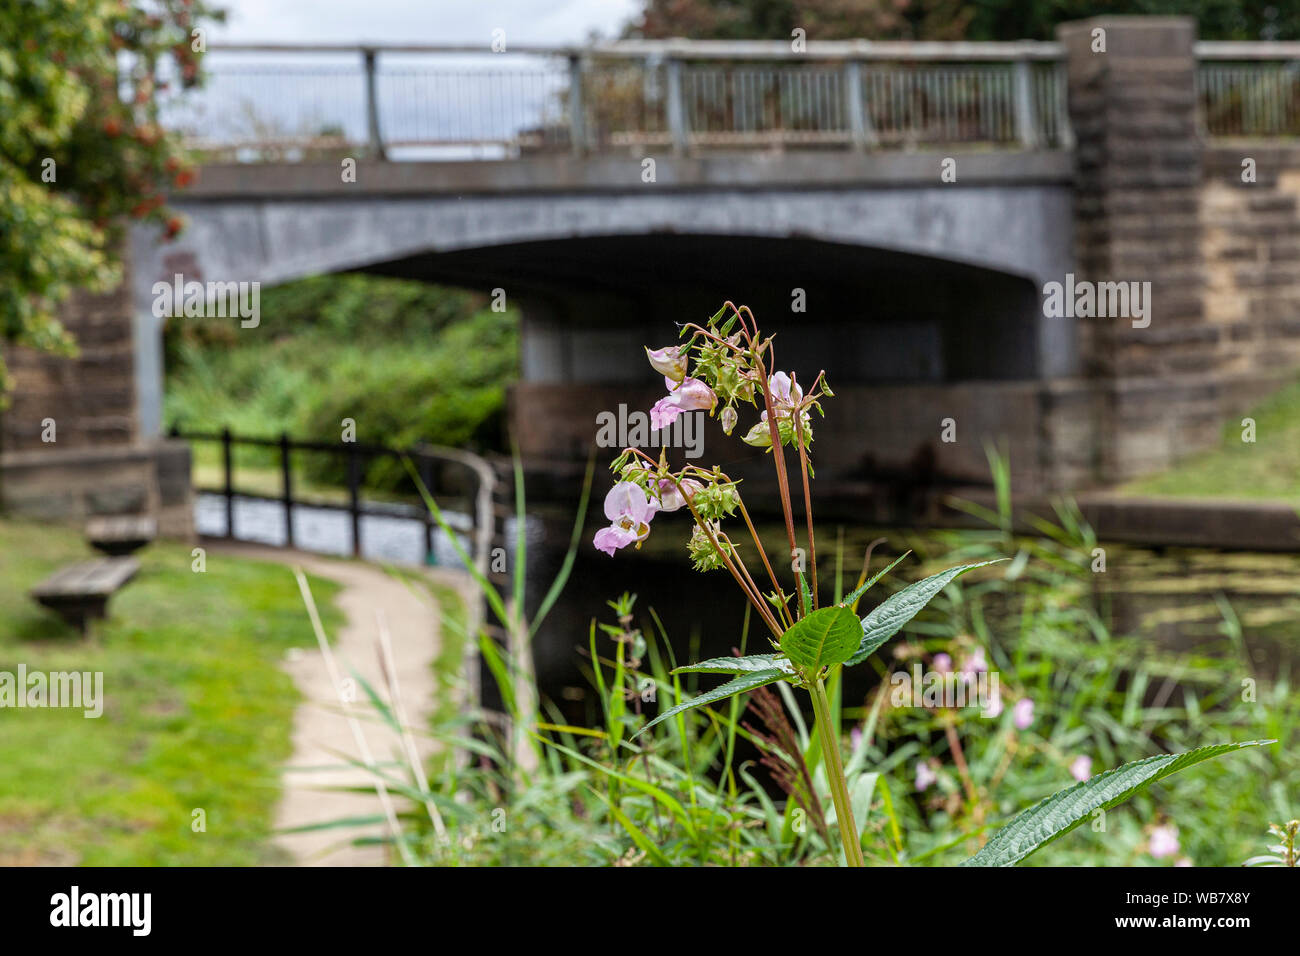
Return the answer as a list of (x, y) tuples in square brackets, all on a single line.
[(852, 231), (876, 315)]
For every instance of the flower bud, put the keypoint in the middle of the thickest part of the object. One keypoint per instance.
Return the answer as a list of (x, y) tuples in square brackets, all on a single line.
[(760, 436), (714, 501), (729, 417), (703, 554)]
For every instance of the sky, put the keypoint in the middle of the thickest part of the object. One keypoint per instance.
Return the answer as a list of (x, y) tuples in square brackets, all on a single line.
[(422, 21)]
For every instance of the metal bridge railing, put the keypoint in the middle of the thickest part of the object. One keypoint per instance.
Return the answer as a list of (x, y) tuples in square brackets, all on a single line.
[(455, 102), (1249, 89), (472, 477)]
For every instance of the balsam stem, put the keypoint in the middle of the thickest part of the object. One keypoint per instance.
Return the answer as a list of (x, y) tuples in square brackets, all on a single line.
[(835, 774)]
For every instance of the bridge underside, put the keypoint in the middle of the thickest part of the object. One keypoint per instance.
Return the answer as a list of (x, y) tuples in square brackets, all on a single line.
[(865, 315), (907, 341)]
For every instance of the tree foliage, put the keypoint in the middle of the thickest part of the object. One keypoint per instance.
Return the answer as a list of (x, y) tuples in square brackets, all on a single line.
[(81, 148), (948, 19), (820, 19)]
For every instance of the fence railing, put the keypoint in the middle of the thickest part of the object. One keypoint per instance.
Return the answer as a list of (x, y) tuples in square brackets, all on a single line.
[(269, 101), (480, 504), (475, 496), (1249, 89), (442, 101)]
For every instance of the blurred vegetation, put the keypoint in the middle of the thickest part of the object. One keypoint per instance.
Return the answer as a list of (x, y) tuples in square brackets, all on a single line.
[(407, 361), (81, 149), (1103, 691), (948, 19)]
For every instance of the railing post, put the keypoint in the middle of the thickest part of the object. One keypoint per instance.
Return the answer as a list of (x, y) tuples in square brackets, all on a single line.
[(1026, 114), (354, 497), (287, 481), (373, 137), (426, 478), (675, 106), (860, 132), (228, 466), (577, 106), (1064, 131)]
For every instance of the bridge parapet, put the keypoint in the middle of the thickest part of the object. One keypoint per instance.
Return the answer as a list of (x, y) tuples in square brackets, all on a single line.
[(448, 101), (445, 101)]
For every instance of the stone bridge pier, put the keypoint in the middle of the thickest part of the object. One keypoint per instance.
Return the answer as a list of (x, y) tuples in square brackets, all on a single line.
[(71, 441)]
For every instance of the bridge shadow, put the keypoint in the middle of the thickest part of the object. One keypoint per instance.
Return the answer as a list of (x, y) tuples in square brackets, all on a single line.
[(866, 315)]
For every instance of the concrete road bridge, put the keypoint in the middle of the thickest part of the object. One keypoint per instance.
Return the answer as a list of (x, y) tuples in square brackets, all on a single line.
[(899, 213)]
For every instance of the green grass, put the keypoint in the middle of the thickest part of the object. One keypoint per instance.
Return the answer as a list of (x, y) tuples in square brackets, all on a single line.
[(197, 712), (1267, 468), (449, 665)]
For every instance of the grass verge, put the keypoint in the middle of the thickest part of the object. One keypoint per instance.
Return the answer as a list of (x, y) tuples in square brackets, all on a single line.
[(1266, 468), (197, 710)]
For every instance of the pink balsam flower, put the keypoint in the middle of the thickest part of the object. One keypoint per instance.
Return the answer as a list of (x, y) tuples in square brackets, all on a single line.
[(1163, 841), (629, 511), (925, 775), (669, 361), (786, 396), (1081, 768), (1023, 713), (673, 499), (975, 663), (785, 393), (690, 396), (972, 666)]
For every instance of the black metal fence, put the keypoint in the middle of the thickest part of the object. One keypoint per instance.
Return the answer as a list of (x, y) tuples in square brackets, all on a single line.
[(469, 492)]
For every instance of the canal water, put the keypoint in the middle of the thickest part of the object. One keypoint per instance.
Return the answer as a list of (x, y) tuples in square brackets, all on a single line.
[(396, 536), (1174, 597)]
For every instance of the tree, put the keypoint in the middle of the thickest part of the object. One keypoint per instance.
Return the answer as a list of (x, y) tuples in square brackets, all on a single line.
[(820, 19), (949, 19), (1215, 19), (81, 149)]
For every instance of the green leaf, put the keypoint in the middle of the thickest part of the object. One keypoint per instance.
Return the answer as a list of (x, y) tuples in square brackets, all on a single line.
[(804, 592), (643, 842), (822, 638), (866, 586), (1066, 809), (738, 686), (738, 665), (889, 617)]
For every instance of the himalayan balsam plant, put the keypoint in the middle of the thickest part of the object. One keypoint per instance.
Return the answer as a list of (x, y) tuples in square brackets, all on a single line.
[(722, 367), (1284, 852)]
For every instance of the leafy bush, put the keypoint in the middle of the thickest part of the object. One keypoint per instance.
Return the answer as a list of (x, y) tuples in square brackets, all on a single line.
[(76, 156), (409, 362)]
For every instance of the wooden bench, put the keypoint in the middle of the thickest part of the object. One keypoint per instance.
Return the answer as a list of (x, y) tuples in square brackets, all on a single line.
[(79, 593), (120, 534)]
